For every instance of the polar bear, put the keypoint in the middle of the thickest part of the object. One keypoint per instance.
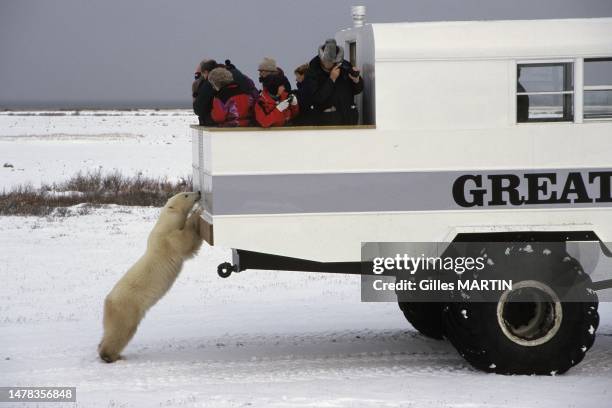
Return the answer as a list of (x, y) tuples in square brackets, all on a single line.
[(174, 238)]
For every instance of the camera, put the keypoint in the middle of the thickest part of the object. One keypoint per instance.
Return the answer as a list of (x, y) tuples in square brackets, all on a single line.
[(346, 68)]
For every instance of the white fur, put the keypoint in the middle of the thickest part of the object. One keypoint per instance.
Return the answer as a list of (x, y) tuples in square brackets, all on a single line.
[(175, 238)]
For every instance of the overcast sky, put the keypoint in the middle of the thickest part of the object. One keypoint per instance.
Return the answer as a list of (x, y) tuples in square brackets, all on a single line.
[(122, 53)]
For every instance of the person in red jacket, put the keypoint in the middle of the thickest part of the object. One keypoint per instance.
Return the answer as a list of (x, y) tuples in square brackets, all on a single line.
[(275, 106), (231, 106)]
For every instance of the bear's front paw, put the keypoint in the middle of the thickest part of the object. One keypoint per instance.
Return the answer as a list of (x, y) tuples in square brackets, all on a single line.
[(194, 218)]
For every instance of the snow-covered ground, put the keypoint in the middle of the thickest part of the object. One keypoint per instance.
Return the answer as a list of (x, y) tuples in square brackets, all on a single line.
[(269, 339), (44, 147)]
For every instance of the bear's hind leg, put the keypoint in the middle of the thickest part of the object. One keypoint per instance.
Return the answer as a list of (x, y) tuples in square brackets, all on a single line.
[(120, 323)]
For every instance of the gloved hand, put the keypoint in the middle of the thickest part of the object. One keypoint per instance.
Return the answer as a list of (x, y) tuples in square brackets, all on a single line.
[(293, 100), (282, 105)]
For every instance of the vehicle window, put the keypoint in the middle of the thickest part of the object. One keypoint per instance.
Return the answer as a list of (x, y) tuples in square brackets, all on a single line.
[(545, 92), (598, 88)]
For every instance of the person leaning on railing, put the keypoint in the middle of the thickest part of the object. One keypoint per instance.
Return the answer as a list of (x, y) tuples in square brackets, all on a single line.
[(304, 118), (203, 92), (231, 106), (275, 106), (330, 84)]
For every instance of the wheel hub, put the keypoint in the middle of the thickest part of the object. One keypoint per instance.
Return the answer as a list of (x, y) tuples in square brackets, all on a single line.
[(530, 313)]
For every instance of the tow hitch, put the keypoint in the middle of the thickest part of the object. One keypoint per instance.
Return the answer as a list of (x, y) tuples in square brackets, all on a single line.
[(225, 269), (243, 260)]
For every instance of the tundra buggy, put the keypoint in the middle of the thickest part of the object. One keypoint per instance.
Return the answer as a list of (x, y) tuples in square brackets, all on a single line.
[(483, 138)]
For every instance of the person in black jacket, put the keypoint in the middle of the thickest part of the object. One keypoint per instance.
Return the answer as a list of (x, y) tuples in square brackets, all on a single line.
[(330, 85), (303, 117), (203, 92)]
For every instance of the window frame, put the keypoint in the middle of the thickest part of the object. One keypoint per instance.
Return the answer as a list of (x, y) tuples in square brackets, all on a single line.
[(579, 88), (586, 88), (574, 92)]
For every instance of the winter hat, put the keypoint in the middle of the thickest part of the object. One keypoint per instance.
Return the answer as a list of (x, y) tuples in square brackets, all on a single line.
[(220, 77), (271, 83), (330, 52), (208, 65), (268, 64)]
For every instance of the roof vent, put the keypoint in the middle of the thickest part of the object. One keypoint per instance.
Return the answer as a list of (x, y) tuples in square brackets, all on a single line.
[(358, 13)]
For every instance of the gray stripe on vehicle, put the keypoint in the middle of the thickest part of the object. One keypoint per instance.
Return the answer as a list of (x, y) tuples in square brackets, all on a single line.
[(372, 192)]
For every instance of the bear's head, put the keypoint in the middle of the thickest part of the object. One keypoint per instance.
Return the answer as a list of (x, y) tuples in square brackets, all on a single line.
[(177, 208)]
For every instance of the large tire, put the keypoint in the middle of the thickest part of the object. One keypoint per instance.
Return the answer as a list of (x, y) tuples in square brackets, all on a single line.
[(419, 308), (426, 317), (544, 336)]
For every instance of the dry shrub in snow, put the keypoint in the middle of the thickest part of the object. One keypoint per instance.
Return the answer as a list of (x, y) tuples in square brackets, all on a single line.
[(93, 188)]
